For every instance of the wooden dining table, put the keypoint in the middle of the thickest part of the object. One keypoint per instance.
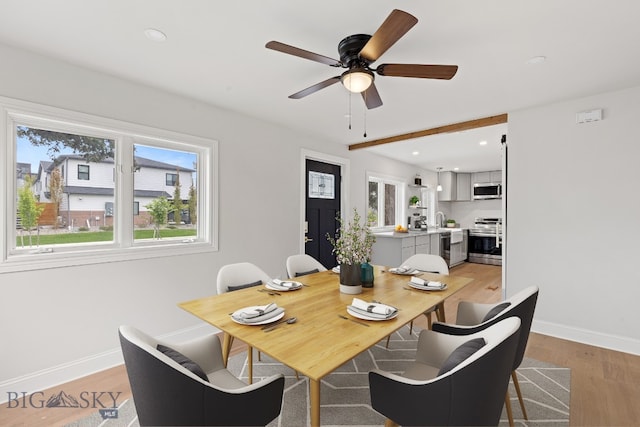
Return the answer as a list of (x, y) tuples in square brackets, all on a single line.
[(325, 335)]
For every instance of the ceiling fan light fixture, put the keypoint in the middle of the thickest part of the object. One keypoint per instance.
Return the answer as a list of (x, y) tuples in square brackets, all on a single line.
[(357, 80)]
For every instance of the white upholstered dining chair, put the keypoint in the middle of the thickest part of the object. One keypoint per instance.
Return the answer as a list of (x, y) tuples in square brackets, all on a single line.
[(303, 264), (432, 264), (233, 277)]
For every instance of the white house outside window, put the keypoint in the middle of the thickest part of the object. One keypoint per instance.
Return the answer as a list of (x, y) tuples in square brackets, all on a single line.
[(89, 189)]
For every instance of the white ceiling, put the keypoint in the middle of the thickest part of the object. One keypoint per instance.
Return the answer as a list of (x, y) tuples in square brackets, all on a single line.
[(215, 53)]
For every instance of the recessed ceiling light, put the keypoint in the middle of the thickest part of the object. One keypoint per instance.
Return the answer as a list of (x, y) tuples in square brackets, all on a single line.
[(155, 35), (483, 142), (415, 153), (456, 169), (536, 60)]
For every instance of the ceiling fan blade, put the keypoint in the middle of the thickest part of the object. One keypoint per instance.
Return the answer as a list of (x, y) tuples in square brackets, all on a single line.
[(392, 29), (371, 97), (445, 72), (316, 87), (295, 51)]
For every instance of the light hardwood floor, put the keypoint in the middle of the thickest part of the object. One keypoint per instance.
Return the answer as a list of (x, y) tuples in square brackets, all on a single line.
[(605, 384)]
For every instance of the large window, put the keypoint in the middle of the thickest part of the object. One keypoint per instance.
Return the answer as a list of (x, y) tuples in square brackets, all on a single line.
[(88, 189), (385, 207)]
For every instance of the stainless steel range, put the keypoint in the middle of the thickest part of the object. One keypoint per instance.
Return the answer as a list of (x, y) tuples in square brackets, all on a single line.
[(485, 241)]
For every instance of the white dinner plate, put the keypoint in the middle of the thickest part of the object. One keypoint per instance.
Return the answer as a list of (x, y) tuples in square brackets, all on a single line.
[(336, 269), (264, 322), (363, 317), (275, 287), (426, 288)]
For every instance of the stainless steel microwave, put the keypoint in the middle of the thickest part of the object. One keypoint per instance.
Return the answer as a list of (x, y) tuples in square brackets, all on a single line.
[(487, 190)]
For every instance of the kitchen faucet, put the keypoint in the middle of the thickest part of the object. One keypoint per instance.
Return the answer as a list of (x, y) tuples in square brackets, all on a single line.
[(444, 218)]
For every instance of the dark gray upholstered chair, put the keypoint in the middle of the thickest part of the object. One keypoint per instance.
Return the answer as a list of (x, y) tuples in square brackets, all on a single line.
[(167, 393), (470, 393), (473, 317)]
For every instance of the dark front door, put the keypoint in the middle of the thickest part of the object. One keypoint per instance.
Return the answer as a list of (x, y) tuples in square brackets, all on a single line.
[(322, 207)]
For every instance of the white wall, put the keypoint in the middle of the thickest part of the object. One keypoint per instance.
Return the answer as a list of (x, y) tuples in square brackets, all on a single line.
[(62, 323), (573, 218)]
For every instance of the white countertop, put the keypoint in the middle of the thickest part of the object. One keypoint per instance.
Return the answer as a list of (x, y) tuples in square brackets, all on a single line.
[(413, 233)]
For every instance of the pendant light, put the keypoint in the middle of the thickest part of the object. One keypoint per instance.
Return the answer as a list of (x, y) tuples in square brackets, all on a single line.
[(439, 187)]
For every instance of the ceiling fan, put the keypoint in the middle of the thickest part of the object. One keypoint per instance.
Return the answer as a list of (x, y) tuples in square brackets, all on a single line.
[(357, 52)]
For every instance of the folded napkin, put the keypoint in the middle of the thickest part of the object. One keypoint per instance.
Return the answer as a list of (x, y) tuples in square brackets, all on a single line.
[(257, 314), (427, 284), (403, 270), (284, 285), (373, 309)]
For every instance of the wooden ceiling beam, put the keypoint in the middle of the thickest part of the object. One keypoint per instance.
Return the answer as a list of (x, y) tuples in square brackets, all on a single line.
[(455, 127)]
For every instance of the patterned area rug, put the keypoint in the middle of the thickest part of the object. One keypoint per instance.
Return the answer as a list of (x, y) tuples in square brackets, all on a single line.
[(345, 394)]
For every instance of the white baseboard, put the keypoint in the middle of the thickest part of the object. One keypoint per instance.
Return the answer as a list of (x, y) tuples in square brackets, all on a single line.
[(584, 336), (56, 375)]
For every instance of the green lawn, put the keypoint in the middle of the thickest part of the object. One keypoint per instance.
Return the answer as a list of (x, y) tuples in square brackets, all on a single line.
[(65, 237)]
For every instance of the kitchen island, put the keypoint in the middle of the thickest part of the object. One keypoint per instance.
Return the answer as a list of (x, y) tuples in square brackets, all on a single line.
[(392, 248)]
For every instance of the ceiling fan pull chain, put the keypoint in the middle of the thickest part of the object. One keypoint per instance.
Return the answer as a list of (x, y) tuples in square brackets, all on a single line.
[(349, 95), (365, 115)]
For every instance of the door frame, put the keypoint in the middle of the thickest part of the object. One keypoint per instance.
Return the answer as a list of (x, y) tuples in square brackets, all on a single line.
[(345, 172)]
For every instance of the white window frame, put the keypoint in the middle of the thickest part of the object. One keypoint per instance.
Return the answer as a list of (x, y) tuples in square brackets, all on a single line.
[(400, 197), (15, 112)]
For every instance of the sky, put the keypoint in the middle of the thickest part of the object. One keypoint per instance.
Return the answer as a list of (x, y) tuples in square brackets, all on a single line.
[(28, 153)]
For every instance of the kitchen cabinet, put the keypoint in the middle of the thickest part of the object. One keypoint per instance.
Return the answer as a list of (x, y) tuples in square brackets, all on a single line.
[(458, 253), (455, 187), (423, 244), (408, 249), (391, 250), (488, 176), (463, 187), (481, 177), (434, 245), (449, 187)]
